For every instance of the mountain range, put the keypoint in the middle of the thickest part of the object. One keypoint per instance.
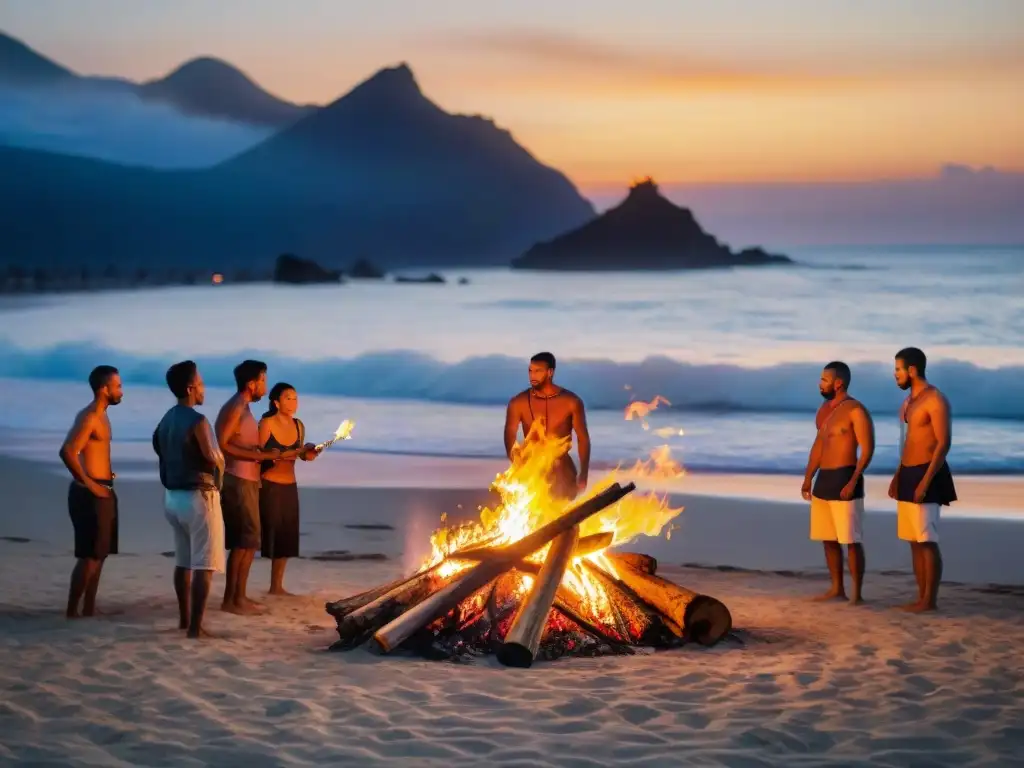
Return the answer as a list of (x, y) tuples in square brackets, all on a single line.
[(203, 87), (381, 173)]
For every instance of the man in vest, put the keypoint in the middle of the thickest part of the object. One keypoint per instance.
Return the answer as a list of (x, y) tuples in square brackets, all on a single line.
[(191, 471)]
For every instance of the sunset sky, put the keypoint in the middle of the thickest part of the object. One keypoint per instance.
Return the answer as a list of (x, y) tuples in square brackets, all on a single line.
[(722, 90)]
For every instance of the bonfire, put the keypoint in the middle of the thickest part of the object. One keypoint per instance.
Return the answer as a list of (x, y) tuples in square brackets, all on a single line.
[(536, 577)]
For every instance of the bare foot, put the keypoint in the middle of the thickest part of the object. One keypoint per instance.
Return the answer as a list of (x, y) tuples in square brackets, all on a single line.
[(832, 594), (281, 592), (250, 603), (73, 615), (858, 600), (908, 606)]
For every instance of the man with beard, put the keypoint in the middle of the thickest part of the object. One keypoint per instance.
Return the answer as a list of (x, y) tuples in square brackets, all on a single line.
[(92, 502), (238, 436), (837, 498), (923, 483), (559, 412)]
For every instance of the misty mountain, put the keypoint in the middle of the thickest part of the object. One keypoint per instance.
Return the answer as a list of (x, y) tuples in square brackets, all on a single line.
[(203, 87), (382, 172)]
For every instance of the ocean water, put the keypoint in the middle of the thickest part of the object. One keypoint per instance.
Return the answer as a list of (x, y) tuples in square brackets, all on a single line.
[(428, 368)]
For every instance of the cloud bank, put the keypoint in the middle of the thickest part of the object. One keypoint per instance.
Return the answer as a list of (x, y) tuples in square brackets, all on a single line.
[(113, 124)]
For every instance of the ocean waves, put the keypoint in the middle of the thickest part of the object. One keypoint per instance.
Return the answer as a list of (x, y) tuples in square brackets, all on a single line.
[(974, 391)]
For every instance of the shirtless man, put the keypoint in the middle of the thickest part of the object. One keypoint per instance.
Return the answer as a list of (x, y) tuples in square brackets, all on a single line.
[(922, 483), (238, 436), (837, 499), (92, 502), (560, 412)]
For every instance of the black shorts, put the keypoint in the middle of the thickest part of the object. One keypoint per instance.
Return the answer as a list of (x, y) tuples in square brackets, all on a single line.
[(95, 522), (942, 489), (279, 519), (829, 484), (240, 504)]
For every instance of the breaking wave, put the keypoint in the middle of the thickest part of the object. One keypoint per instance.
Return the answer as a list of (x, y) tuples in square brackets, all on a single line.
[(975, 392)]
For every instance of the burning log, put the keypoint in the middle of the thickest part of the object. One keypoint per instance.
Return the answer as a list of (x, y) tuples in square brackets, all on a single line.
[(565, 604), (356, 626), (702, 618), (585, 546), (438, 604), (636, 560), (341, 608), (523, 638)]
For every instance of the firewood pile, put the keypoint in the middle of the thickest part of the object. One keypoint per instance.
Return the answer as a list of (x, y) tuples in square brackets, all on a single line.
[(549, 594)]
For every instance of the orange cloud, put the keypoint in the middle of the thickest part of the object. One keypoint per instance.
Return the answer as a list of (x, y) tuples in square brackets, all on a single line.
[(609, 67)]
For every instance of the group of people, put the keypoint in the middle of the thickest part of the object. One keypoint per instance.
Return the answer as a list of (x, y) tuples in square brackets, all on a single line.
[(231, 486), (228, 487), (921, 485)]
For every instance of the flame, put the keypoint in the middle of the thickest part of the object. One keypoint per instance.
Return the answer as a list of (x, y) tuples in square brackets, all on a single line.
[(638, 409), (527, 502), (344, 430)]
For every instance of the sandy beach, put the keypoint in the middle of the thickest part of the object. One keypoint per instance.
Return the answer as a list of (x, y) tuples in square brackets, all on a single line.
[(800, 683)]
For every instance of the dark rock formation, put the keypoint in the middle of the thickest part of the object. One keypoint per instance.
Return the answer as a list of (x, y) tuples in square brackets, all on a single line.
[(644, 232), (365, 270), (292, 269), (433, 277)]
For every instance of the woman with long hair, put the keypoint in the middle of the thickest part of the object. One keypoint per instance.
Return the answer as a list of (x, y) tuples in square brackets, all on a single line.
[(279, 493)]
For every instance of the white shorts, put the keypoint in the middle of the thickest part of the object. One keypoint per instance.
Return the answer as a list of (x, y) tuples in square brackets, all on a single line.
[(198, 527), (841, 521), (917, 522)]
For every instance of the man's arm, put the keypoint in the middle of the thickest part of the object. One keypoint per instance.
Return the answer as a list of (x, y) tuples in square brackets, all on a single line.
[(156, 442), (227, 427), (74, 444), (511, 426), (942, 426), (864, 431), (208, 445), (813, 462), (579, 423)]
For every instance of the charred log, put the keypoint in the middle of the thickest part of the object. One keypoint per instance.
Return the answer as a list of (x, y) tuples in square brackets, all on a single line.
[(524, 635), (703, 619)]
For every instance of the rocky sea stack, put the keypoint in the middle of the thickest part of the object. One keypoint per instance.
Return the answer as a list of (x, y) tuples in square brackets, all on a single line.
[(644, 232)]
